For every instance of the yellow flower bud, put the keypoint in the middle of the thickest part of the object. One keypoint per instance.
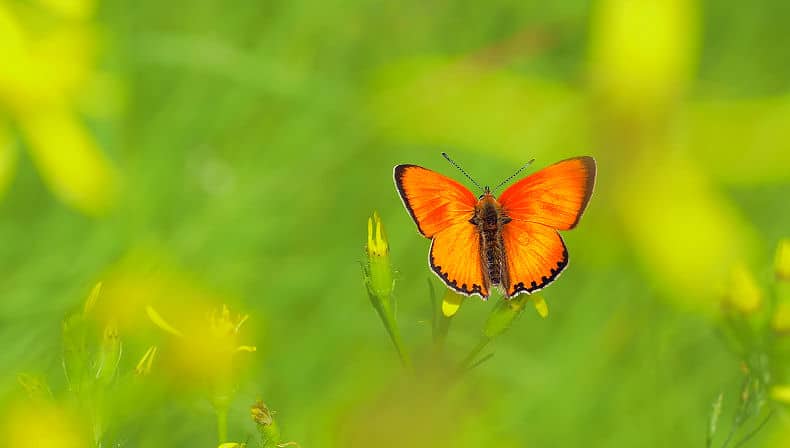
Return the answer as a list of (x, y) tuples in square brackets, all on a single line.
[(378, 270)]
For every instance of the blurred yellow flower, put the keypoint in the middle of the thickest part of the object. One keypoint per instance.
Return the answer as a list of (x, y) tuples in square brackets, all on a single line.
[(46, 72), (43, 424), (642, 52), (207, 348)]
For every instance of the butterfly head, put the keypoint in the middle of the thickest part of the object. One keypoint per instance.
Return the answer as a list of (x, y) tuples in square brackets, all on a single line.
[(486, 192)]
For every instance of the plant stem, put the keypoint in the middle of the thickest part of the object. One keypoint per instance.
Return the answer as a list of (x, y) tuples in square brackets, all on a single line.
[(388, 318), (475, 351), (441, 330), (222, 424)]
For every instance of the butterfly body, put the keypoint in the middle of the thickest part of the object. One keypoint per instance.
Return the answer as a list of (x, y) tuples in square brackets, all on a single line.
[(490, 219), (510, 242)]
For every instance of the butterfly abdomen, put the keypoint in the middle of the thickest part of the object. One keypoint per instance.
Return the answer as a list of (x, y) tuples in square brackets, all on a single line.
[(489, 221)]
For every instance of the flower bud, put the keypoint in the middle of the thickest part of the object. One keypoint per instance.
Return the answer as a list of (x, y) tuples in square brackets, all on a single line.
[(267, 427), (378, 271), (109, 355)]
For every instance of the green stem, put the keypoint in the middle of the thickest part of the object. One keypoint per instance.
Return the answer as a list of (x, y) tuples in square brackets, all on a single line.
[(222, 424), (442, 328), (388, 318), (475, 351)]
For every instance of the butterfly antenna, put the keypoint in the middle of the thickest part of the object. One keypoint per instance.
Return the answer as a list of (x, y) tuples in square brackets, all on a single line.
[(444, 154), (513, 175)]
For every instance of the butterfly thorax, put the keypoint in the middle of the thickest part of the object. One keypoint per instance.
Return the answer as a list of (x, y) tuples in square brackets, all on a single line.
[(489, 219)]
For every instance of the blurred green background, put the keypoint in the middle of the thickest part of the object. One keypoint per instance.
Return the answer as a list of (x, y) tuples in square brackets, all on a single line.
[(194, 154)]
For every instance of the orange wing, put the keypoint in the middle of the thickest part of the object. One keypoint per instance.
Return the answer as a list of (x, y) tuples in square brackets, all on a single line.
[(455, 258), (536, 255), (435, 202), (554, 196), (442, 208)]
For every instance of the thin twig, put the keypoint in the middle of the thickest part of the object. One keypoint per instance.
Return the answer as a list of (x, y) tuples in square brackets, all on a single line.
[(755, 430), (480, 361)]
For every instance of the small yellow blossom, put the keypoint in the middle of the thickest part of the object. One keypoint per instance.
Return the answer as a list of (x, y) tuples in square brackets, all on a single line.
[(378, 270), (377, 239), (540, 305), (451, 303)]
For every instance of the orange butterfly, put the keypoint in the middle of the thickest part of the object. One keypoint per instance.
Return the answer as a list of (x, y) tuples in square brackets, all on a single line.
[(511, 242)]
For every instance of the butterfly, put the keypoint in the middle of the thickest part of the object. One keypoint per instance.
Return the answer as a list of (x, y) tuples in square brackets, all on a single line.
[(510, 242)]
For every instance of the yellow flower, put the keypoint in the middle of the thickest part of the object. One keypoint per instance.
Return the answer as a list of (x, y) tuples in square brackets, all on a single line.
[(43, 424), (207, 348), (377, 240), (378, 269), (45, 76)]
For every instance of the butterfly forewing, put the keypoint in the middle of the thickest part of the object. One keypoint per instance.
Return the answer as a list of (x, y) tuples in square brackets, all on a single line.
[(555, 196), (442, 208), (435, 202)]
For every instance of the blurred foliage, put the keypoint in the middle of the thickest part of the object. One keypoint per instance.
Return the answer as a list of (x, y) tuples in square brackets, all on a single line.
[(195, 154)]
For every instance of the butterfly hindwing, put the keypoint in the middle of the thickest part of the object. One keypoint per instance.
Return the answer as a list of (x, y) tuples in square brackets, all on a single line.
[(435, 202), (455, 258), (536, 255), (554, 196)]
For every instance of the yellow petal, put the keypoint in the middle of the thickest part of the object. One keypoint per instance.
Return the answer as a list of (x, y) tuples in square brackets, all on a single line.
[(540, 305), (92, 298), (231, 445), (8, 155), (246, 348), (451, 303), (160, 322), (69, 160), (144, 365)]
